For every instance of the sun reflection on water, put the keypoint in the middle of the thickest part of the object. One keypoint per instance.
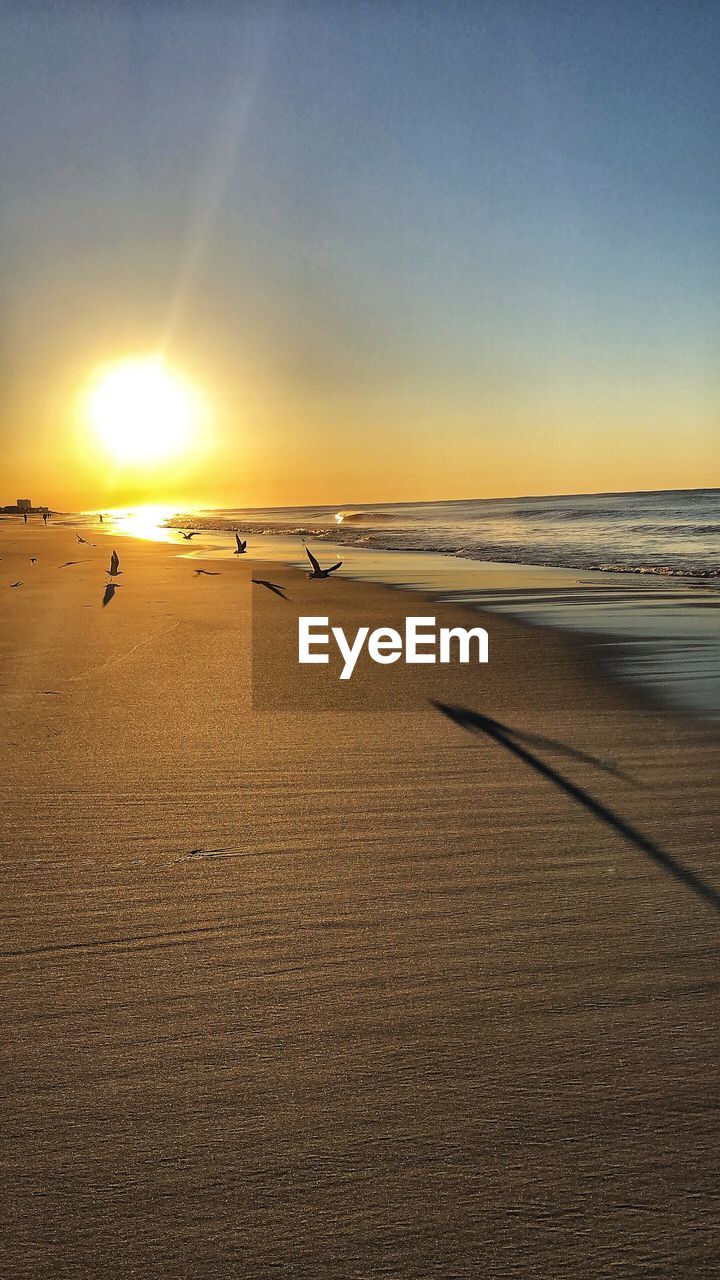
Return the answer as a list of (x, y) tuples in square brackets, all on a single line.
[(142, 522)]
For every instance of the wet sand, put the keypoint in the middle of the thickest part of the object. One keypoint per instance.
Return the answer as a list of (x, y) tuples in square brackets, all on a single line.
[(291, 987)]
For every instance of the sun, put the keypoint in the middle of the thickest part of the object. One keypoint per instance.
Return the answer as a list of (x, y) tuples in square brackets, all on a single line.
[(141, 411)]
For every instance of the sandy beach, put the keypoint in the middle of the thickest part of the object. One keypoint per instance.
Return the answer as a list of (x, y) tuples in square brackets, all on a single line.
[(319, 982)]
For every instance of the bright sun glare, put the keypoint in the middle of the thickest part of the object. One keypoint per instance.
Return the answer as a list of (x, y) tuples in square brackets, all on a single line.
[(141, 411)]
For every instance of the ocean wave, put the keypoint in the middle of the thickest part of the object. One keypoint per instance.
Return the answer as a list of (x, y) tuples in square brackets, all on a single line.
[(560, 512), (516, 552), (365, 517), (662, 570)]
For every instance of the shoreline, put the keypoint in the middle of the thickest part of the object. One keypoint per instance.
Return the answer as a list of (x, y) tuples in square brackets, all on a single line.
[(584, 641), (662, 631), (582, 645)]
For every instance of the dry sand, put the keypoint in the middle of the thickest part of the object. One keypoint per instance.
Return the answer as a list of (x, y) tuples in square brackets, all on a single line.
[(412, 1010)]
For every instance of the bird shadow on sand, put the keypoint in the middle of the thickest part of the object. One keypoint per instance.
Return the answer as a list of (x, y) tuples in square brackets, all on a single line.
[(512, 739), (272, 586)]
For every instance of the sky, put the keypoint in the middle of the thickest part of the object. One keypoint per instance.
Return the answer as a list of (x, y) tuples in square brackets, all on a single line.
[(399, 251)]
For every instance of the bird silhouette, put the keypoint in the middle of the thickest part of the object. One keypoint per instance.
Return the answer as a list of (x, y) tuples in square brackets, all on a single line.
[(33, 559), (188, 536), (16, 584), (317, 572), (241, 546), (114, 569), (84, 541)]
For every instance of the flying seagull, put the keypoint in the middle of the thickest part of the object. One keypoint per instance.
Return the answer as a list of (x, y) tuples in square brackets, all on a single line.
[(16, 584), (317, 572), (208, 573), (33, 559), (114, 569), (188, 536), (84, 541), (241, 546), (110, 589)]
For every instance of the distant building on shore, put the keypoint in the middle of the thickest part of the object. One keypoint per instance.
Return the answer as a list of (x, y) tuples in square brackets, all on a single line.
[(23, 506)]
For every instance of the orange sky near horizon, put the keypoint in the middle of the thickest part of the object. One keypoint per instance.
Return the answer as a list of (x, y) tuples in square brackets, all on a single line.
[(265, 444), (262, 461)]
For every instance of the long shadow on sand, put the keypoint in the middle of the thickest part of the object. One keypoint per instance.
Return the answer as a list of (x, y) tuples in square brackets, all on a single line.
[(271, 586), (508, 738)]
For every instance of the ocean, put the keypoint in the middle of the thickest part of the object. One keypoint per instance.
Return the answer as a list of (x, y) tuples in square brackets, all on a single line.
[(638, 573), (667, 533)]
